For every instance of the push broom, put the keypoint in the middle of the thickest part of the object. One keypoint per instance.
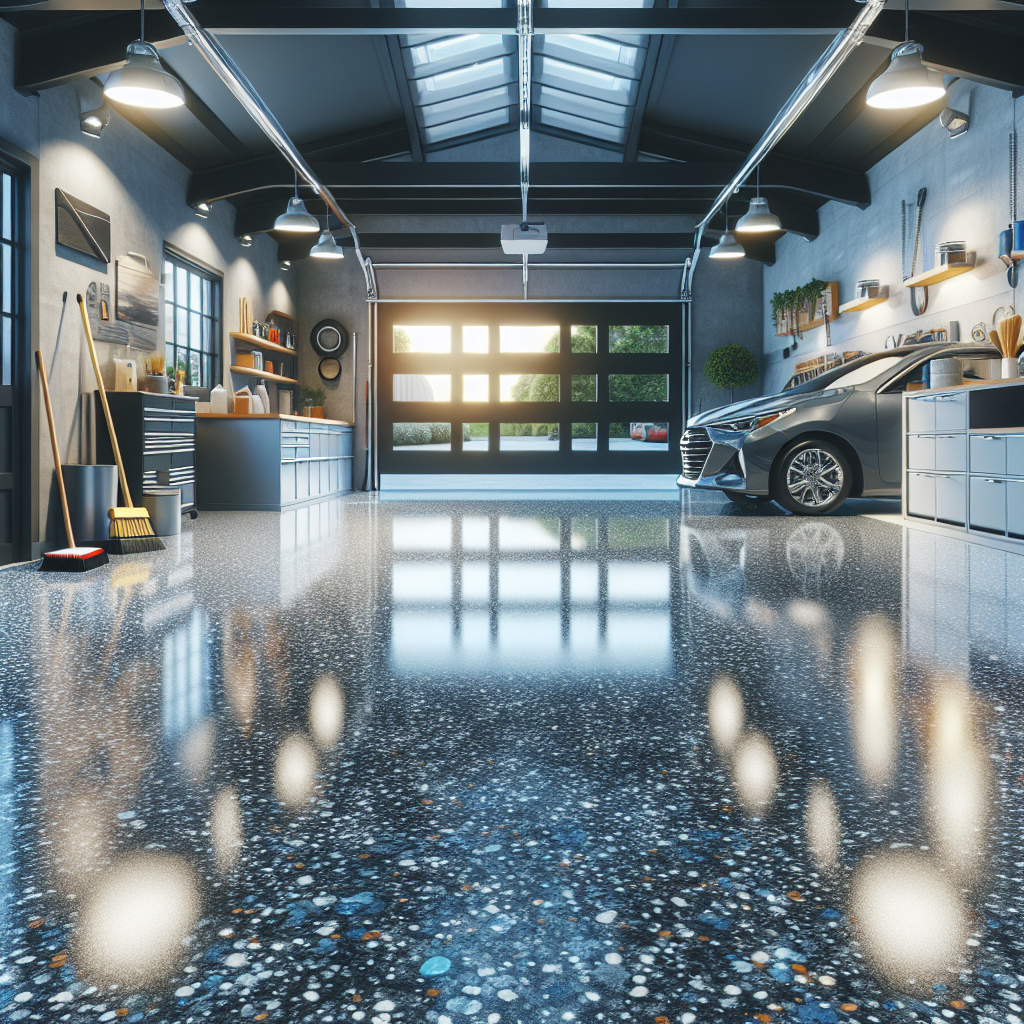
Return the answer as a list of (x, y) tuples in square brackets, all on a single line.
[(73, 558), (130, 528)]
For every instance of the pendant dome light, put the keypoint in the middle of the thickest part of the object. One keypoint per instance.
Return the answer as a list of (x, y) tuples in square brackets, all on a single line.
[(296, 218), (759, 218), (143, 82), (326, 247), (727, 248), (906, 82)]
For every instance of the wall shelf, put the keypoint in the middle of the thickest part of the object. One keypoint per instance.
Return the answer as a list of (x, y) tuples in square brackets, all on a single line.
[(269, 346), (940, 274), (284, 316), (250, 372), (856, 305)]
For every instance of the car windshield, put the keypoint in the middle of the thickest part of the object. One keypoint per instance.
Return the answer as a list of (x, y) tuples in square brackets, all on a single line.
[(857, 371)]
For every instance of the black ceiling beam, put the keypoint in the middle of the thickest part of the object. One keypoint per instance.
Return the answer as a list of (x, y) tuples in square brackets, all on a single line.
[(457, 181), (824, 180), (54, 52)]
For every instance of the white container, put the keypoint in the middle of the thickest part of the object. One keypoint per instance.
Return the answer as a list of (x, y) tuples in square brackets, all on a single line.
[(284, 402), (219, 399), (261, 391), (1010, 369)]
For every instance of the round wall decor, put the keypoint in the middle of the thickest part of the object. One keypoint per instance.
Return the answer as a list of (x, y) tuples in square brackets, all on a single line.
[(329, 338), (329, 368)]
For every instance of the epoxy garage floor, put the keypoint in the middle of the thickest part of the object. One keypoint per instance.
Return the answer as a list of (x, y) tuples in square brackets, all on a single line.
[(516, 762)]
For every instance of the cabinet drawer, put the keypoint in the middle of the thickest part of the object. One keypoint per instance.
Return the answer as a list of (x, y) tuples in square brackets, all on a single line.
[(1015, 507), (920, 415), (920, 452), (951, 499), (1015, 455), (921, 495), (988, 504), (951, 453), (950, 412), (988, 454)]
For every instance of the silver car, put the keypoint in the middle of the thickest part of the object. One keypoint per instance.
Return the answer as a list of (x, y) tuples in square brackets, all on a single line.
[(813, 446)]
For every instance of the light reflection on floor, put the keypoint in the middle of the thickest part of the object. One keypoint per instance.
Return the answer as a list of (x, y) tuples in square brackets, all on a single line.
[(514, 762)]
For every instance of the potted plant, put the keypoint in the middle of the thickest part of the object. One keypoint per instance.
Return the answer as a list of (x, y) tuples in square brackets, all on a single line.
[(731, 367), (313, 402)]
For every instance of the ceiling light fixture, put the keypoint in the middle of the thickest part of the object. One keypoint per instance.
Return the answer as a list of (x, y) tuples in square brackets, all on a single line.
[(92, 122), (326, 247), (759, 218), (727, 248), (143, 82), (906, 82), (296, 218)]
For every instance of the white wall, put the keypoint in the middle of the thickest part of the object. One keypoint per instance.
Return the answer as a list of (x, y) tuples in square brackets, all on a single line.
[(142, 188), (968, 199)]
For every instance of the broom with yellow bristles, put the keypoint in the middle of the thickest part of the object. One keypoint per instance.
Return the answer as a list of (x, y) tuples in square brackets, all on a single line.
[(130, 528)]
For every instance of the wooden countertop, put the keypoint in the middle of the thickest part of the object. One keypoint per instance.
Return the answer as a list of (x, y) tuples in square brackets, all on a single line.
[(269, 416), (1009, 382)]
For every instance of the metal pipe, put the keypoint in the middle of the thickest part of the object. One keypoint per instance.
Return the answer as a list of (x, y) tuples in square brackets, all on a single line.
[(813, 82), (516, 266), (243, 90), (524, 33)]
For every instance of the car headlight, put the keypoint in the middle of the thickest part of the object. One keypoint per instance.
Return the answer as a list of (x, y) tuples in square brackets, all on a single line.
[(746, 426)]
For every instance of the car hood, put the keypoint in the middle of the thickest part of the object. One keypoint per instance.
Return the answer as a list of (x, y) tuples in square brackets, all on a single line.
[(752, 407)]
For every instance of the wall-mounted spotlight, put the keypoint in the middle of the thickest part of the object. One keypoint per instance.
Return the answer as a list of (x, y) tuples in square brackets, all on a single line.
[(284, 265), (92, 122), (202, 210), (956, 122), (245, 241)]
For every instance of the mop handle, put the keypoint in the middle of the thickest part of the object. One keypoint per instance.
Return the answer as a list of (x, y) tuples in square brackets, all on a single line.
[(103, 400), (56, 450)]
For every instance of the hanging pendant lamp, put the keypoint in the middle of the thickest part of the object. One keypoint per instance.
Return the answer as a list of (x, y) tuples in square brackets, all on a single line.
[(906, 82), (727, 248), (759, 218), (326, 247), (143, 82), (296, 218)]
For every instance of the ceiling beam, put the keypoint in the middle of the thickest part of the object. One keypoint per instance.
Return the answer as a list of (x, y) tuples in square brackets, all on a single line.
[(458, 182), (655, 47), (53, 52)]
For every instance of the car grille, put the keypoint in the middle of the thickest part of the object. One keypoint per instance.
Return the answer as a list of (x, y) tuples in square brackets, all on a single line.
[(694, 448)]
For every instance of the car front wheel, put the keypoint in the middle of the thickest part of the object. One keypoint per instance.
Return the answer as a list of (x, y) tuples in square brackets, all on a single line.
[(812, 478)]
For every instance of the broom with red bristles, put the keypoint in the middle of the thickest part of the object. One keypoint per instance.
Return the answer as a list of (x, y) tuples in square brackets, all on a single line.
[(130, 528), (73, 558)]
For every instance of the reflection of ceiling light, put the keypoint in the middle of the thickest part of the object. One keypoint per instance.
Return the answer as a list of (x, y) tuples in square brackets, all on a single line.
[(202, 210), (327, 248), (727, 248), (143, 82), (906, 82), (245, 241), (92, 122), (759, 218), (955, 122), (296, 218)]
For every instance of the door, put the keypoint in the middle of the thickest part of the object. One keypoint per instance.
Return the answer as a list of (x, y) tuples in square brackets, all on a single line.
[(14, 363), (529, 388)]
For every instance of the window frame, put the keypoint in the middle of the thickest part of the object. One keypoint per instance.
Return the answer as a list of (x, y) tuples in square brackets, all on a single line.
[(179, 261)]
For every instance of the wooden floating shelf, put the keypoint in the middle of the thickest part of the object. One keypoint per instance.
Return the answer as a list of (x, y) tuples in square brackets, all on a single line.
[(284, 316), (940, 274), (250, 372), (856, 305), (269, 346)]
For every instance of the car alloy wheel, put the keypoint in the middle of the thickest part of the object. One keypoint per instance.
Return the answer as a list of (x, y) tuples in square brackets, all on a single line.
[(812, 478)]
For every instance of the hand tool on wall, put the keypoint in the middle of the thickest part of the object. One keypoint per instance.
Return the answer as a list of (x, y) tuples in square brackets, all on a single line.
[(130, 528), (71, 558), (922, 194)]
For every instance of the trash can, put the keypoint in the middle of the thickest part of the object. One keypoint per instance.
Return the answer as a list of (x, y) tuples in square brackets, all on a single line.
[(164, 506), (91, 490)]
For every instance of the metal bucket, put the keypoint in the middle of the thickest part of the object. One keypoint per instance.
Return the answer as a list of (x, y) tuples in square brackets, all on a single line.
[(164, 507), (91, 491)]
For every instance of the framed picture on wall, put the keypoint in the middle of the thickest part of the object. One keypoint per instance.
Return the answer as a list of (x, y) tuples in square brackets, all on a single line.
[(138, 293)]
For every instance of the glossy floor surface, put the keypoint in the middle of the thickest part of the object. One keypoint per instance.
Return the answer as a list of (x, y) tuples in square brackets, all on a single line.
[(516, 762)]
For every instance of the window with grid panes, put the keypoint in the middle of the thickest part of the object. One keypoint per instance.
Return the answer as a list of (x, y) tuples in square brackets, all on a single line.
[(9, 284), (192, 312)]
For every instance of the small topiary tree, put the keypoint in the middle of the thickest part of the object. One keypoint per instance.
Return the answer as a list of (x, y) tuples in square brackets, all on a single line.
[(731, 366)]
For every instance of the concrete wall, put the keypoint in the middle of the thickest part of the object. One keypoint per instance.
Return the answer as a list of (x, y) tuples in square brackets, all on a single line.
[(967, 182), (142, 188)]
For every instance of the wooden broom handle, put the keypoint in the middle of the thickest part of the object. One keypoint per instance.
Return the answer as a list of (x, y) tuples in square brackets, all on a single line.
[(56, 450), (103, 400)]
